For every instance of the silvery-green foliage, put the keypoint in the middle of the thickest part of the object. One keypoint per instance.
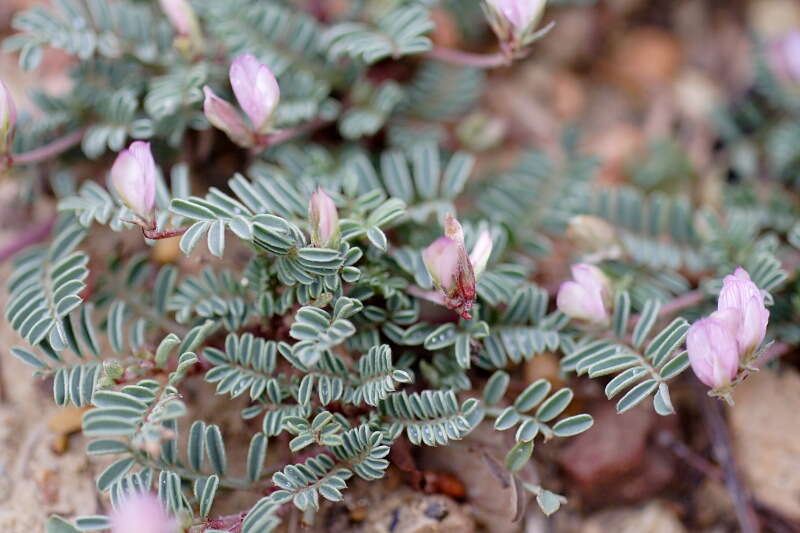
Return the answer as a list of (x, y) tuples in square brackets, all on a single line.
[(331, 353)]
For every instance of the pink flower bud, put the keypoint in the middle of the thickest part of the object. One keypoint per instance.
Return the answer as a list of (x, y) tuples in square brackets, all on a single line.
[(510, 19), (451, 269), (225, 117), (180, 15), (8, 117), (183, 19), (585, 298), (256, 90), (481, 252), (142, 512), (713, 351), (324, 220), (742, 295), (133, 176)]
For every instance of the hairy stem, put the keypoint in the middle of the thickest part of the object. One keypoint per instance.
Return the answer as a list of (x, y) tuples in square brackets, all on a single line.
[(266, 141), (31, 236), (49, 151), (721, 448), (684, 301), (467, 59)]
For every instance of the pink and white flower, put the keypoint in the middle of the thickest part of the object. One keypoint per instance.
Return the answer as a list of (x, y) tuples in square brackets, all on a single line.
[(587, 296), (222, 115), (133, 176), (453, 272), (256, 90), (741, 298), (511, 20), (713, 351), (324, 220)]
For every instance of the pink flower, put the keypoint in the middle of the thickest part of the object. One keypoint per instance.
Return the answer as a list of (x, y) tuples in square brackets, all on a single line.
[(8, 117), (222, 115), (452, 270), (743, 300), (511, 20), (256, 90), (519, 13), (324, 220), (180, 15), (713, 351), (586, 297), (142, 512), (133, 176)]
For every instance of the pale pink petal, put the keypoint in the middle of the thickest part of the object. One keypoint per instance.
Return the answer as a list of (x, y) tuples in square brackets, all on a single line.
[(222, 115), (255, 88), (441, 259)]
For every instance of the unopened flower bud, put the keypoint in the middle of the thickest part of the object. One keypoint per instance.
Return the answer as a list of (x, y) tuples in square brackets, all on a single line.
[(586, 297), (222, 115), (142, 512), (256, 90), (324, 220), (184, 21), (512, 19), (713, 350), (113, 369), (740, 294), (451, 269), (593, 235), (481, 252), (8, 117), (133, 176)]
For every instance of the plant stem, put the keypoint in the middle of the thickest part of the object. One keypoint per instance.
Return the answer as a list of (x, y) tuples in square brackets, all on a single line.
[(31, 236), (680, 303), (288, 134), (721, 449), (48, 151), (467, 59), (155, 234)]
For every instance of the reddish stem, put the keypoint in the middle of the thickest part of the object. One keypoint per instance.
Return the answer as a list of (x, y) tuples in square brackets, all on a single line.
[(33, 235), (265, 141), (467, 59), (156, 233), (48, 151), (680, 303)]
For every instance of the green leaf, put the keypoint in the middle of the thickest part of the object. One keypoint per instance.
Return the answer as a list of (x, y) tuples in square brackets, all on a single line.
[(634, 396), (519, 455), (573, 425), (56, 524), (532, 395), (496, 387), (114, 472), (554, 405)]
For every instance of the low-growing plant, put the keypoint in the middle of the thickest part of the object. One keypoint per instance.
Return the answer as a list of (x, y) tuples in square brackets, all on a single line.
[(363, 282)]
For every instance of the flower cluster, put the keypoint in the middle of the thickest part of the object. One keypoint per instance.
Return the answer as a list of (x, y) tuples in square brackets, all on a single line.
[(454, 273), (721, 343), (257, 93)]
